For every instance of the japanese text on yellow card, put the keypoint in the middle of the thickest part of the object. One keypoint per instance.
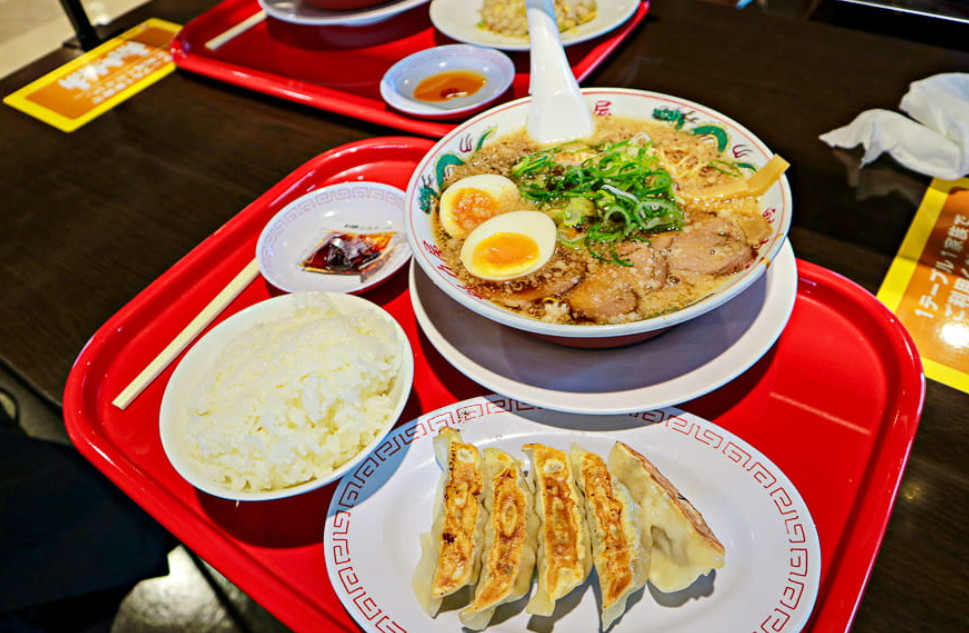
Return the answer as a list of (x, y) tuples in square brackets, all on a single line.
[(927, 285), (92, 84)]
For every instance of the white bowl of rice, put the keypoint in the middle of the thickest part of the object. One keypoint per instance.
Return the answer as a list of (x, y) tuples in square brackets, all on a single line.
[(285, 396)]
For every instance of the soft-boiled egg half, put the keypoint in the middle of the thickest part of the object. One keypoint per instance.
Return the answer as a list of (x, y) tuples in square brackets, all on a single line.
[(509, 245), (472, 200)]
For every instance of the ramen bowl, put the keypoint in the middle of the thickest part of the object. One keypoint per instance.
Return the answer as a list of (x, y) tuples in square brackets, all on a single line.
[(425, 188)]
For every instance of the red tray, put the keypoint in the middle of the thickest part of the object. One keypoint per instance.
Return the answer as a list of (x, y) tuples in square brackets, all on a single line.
[(804, 404), (338, 68)]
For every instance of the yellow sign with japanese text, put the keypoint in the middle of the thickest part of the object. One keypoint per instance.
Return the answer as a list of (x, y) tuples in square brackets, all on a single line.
[(927, 286), (92, 84)]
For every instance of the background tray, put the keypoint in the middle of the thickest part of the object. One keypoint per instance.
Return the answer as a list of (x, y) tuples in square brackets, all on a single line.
[(338, 68), (841, 433)]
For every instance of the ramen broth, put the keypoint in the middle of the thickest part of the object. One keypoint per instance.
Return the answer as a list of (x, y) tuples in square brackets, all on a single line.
[(664, 271)]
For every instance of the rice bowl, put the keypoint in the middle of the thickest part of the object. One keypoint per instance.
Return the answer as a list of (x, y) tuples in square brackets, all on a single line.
[(285, 396)]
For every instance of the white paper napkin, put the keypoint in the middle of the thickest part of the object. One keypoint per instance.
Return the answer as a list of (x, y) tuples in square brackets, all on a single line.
[(934, 141)]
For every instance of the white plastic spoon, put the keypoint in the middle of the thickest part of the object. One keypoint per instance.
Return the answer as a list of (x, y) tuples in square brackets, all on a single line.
[(558, 112)]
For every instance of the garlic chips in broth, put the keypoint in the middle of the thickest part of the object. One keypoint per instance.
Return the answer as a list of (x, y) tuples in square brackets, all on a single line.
[(647, 219)]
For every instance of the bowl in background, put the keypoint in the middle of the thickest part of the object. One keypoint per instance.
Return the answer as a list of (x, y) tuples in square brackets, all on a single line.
[(201, 363), (371, 12), (342, 5), (446, 64), (426, 184)]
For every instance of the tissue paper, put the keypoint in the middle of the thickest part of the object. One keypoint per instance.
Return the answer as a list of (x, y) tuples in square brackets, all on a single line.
[(932, 140)]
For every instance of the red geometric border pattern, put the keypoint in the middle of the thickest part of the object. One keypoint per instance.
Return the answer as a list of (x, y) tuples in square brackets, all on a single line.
[(354, 484), (794, 524), (775, 621)]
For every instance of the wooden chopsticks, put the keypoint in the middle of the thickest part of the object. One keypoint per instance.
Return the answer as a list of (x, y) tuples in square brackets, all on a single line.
[(187, 335)]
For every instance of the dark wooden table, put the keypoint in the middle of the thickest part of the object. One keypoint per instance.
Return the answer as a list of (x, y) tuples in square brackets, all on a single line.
[(88, 219)]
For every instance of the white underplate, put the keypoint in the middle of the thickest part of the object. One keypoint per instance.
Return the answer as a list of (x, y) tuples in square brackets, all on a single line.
[(683, 363), (301, 13), (458, 19), (294, 232), (773, 558)]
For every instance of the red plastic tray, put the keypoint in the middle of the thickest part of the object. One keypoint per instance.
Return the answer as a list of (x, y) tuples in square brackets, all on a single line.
[(338, 68), (835, 404)]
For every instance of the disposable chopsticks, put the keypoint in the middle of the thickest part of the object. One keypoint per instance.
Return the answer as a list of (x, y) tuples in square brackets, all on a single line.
[(187, 335), (236, 30)]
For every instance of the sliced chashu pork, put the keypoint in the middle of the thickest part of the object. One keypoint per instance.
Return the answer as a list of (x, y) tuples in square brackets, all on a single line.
[(610, 290), (713, 246)]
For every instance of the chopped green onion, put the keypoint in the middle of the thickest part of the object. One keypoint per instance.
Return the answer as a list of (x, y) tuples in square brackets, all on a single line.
[(625, 192)]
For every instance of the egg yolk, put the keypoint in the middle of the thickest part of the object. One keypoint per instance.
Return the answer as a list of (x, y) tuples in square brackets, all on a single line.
[(503, 252), (474, 206)]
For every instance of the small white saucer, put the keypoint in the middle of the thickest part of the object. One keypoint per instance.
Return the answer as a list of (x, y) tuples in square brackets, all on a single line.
[(355, 207), (399, 82)]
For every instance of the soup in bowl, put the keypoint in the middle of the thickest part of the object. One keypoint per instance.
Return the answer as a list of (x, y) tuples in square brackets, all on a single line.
[(669, 210)]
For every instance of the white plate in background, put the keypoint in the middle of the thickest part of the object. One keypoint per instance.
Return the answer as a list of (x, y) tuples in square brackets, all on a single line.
[(685, 362), (458, 19)]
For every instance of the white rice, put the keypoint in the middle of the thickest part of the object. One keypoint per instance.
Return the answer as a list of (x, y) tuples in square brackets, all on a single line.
[(295, 399)]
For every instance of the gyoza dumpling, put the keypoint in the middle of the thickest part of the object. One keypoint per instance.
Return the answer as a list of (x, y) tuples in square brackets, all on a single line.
[(510, 539), (620, 557), (564, 552), (451, 551), (684, 547)]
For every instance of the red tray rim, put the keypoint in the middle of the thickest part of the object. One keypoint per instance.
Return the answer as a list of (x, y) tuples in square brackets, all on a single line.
[(839, 597), (193, 35), (866, 529)]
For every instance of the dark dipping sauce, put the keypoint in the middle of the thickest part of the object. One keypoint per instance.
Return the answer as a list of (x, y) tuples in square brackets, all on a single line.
[(449, 85), (347, 253)]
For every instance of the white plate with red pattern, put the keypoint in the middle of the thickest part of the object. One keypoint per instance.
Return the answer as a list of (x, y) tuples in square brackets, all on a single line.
[(773, 557), (684, 363)]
